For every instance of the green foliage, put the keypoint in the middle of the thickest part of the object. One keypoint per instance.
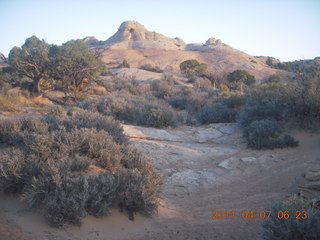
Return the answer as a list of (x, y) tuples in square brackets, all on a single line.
[(292, 228), (32, 61), (267, 134), (193, 68), (269, 62), (149, 67), (74, 65), (71, 64), (8, 78), (125, 64), (233, 102), (290, 101), (179, 103), (216, 114), (239, 77), (69, 166)]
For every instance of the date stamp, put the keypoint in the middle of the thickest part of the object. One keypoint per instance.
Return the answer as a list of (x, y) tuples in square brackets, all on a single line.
[(245, 214)]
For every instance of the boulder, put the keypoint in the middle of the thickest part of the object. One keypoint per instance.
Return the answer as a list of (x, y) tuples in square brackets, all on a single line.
[(229, 163)]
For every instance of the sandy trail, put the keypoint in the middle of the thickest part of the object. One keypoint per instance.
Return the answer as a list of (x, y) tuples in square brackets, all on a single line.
[(206, 168)]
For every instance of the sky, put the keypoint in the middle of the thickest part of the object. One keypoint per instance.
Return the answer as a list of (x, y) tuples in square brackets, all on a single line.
[(285, 29)]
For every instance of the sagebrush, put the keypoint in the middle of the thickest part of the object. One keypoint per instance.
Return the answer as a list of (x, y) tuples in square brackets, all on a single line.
[(70, 165)]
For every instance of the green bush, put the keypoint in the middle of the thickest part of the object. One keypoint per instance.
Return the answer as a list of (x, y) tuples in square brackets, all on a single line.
[(266, 106), (149, 67), (262, 134), (235, 102), (238, 78), (125, 64), (292, 228), (179, 103), (192, 67), (77, 164), (216, 114)]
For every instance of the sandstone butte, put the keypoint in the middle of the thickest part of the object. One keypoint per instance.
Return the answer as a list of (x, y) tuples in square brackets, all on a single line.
[(140, 46)]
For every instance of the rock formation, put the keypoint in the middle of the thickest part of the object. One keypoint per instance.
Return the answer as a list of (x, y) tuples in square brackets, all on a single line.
[(140, 46), (213, 41), (90, 41), (133, 35)]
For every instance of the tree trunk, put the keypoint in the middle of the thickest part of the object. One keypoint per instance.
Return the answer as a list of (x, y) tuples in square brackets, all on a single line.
[(36, 86)]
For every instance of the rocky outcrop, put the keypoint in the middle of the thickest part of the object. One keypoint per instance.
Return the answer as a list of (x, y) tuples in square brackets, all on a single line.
[(139, 46), (133, 35), (91, 41), (213, 41)]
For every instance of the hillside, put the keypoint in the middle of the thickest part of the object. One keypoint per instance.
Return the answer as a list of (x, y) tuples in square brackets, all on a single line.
[(139, 46)]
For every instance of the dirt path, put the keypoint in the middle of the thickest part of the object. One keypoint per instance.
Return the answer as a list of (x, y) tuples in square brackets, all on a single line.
[(206, 169)]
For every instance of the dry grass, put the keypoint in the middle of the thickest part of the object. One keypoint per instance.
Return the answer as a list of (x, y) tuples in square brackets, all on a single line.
[(10, 102)]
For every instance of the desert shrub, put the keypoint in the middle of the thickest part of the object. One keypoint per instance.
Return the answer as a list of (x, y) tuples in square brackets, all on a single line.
[(202, 83), (9, 130), (10, 101), (34, 125), (179, 102), (95, 120), (225, 90), (265, 106), (73, 165), (232, 102), (103, 191), (144, 111), (87, 119), (162, 89), (11, 171), (191, 100), (40, 146), (238, 78), (149, 67), (57, 110), (262, 134), (295, 103), (124, 64), (100, 147), (62, 196), (216, 114), (129, 84), (140, 192), (292, 228)]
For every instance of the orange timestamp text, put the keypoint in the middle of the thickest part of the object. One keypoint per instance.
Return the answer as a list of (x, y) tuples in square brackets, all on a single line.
[(245, 214)]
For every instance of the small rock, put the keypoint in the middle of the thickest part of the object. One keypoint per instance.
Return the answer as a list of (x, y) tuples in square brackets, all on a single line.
[(248, 159), (229, 163)]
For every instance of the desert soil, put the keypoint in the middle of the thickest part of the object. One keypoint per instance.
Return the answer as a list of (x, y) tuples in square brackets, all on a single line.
[(206, 168)]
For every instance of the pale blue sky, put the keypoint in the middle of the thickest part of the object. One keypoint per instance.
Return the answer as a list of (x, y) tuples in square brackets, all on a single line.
[(285, 29)]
